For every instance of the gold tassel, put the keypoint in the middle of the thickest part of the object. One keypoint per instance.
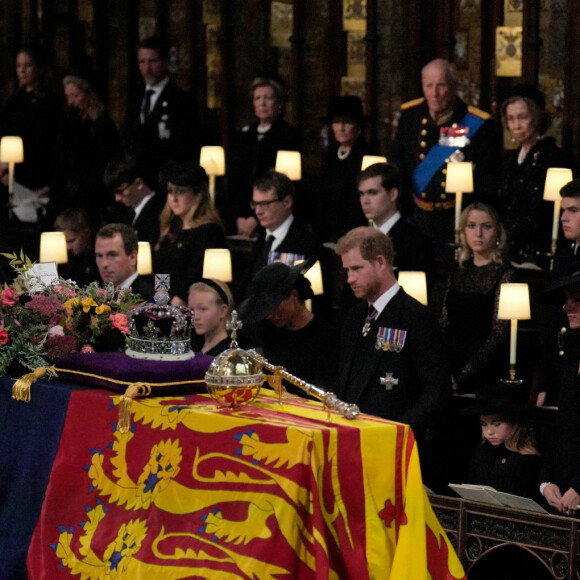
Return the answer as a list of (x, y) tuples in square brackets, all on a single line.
[(21, 388), (133, 390)]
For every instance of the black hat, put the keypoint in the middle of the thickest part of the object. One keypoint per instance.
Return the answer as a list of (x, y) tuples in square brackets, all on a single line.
[(269, 287), (554, 291), (528, 92), (346, 106), (500, 399)]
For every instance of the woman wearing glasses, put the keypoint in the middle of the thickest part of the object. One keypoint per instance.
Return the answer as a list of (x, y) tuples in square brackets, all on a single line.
[(189, 224)]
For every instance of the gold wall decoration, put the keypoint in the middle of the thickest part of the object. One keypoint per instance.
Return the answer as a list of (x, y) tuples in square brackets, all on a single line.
[(281, 23), (354, 15), (513, 11), (353, 86), (211, 12), (508, 51), (147, 27), (213, 61), (355, 55)]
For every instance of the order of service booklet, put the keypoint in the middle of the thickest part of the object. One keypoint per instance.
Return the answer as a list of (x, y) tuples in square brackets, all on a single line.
[(487, 494)]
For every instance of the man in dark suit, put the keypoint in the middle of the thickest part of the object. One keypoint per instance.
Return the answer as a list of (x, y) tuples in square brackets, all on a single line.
[(128, 182), (392, 362), (116, 247), (282, 238), (379, 187), (160, 125)]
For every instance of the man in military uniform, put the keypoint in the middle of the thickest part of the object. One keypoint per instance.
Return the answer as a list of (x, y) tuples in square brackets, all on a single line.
[(434, 130)]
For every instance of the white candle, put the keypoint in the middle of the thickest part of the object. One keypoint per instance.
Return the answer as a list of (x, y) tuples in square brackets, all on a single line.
[(556, 220), (458, 203), (513, 341)]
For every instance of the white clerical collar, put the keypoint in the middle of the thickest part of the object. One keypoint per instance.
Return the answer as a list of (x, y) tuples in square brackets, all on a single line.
[(381, 302), (127, 283), (386, 227), (141, 205), (280, 232)]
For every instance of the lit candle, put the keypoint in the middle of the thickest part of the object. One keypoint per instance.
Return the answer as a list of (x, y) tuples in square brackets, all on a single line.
[(556, 222), (513, 341)]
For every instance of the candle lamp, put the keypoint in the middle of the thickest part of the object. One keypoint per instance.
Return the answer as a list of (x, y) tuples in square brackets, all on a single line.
[(212, 159), (368, 160), (415, 285), (556, 178), (11, 152), (217, 264), (144, 262), (290, 164), (514, 305), (314, 274), (459, 181), (53, 247)]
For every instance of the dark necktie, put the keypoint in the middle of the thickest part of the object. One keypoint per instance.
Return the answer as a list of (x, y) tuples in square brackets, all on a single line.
[(263, 254), (147, 104)]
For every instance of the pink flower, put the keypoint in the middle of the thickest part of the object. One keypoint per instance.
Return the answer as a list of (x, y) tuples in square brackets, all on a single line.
[(102, 293), (87, 348), (56, 331), (120, 322), (4, 338), (9, 297)]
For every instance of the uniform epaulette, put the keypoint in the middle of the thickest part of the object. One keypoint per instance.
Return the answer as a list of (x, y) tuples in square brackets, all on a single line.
[(413, 103), (478, 113)]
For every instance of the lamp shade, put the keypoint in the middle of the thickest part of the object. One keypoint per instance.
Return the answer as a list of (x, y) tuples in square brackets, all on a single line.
[(415, 285), (556, 179), (290, 164), (144, 262), (314, 274), (212, 158), (53, 247), (459, 177), (371, 160), (217, 264), (11, 150), (514, 302)]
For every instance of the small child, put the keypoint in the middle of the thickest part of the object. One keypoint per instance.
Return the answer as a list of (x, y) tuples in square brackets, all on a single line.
[(211, 302), (507, 458)]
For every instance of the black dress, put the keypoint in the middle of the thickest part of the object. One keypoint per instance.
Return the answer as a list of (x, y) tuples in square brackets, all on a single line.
[(183, 258), (339, 206), (506, 470), (35, 117), (526, 216), (476, 339), (310, 353)]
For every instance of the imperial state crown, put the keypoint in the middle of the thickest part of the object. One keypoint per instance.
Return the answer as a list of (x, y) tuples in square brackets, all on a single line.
[(160, 330)]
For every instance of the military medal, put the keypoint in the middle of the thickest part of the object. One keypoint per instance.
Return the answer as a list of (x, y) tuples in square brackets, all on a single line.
[(366, 327), (372, 314), (389, 381), (390, 339)]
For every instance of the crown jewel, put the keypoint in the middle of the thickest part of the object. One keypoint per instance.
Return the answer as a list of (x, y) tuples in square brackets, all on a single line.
[(160, 331)]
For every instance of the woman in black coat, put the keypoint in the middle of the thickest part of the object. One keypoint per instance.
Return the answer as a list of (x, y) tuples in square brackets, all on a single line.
[(256, 147), (527, 217), (33, 113)]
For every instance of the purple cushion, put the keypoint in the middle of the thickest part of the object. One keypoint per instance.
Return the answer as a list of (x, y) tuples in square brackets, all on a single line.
[(115, 371)]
